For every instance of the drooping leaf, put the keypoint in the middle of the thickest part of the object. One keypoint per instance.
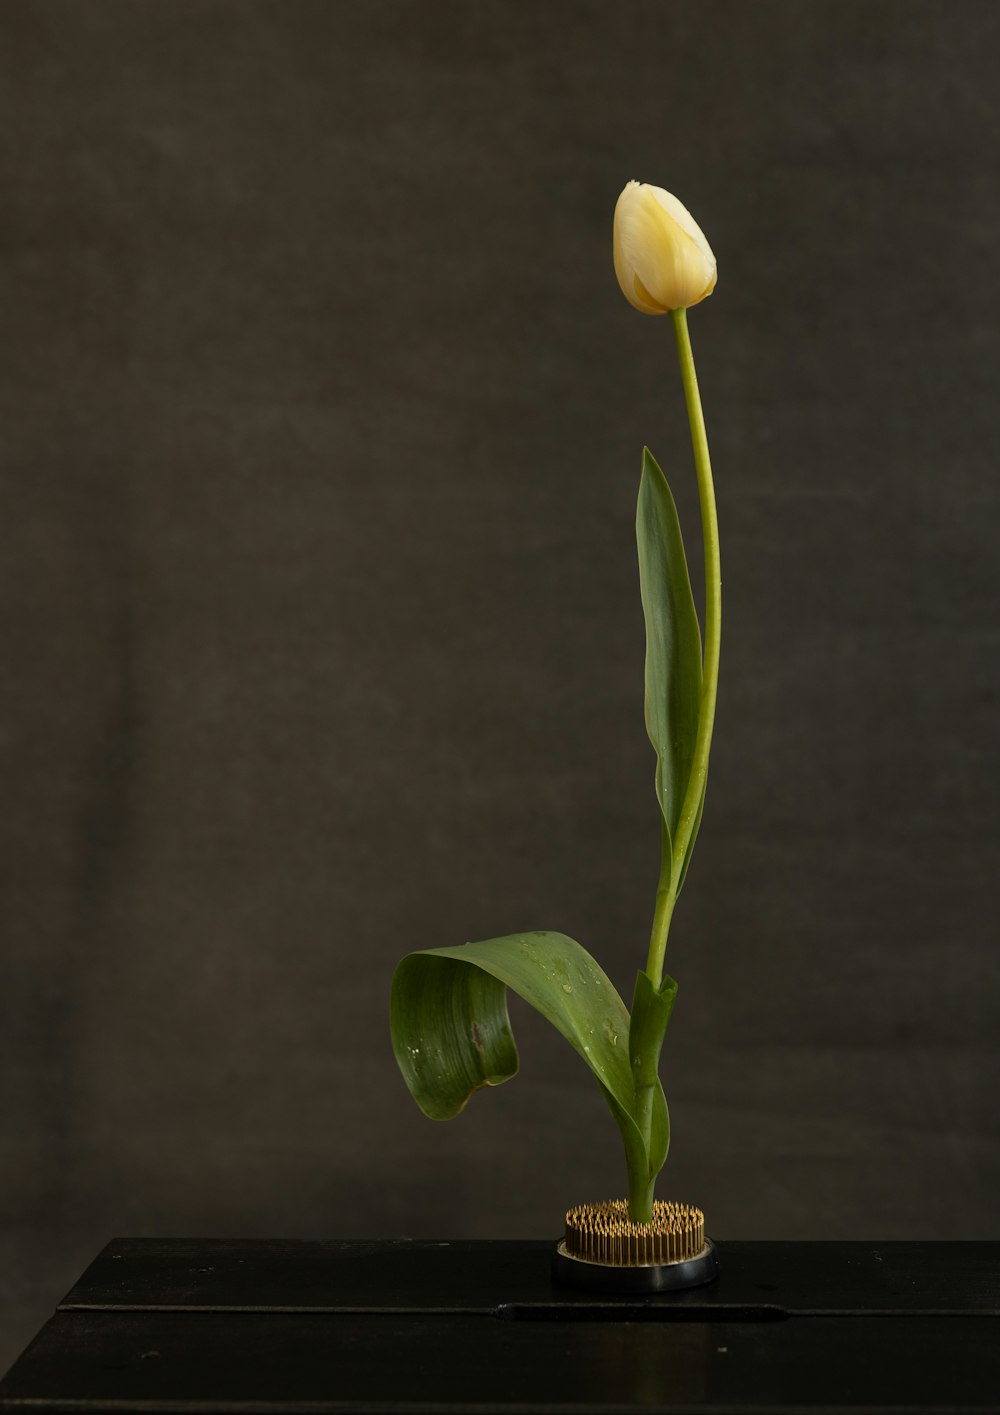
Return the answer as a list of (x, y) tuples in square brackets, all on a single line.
[(673, 641), (450, 1028), (450, 1032)]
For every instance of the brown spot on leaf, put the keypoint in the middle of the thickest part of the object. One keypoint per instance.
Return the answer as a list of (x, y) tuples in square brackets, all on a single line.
[(477, 1036)]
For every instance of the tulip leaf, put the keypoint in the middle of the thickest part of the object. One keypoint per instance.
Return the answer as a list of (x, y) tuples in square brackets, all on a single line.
[(451, 1031), (659, 1140), (450, 1028), (640, 1160), (651, 1009), (694, 836), (673, 644)]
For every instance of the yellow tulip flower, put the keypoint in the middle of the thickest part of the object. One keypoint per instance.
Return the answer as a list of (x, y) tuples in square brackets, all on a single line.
[(662, 259)]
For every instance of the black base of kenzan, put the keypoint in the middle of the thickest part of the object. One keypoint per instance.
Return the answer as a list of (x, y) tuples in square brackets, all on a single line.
[(640, 1278)]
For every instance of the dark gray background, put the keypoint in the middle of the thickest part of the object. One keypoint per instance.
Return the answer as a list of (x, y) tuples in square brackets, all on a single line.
[(321, 419)]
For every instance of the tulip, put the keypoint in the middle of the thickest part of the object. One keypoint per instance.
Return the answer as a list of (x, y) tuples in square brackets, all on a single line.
[(450, 1025), (662, 259)]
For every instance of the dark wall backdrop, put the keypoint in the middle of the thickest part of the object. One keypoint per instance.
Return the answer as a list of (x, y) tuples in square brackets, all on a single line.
[(321, 423)]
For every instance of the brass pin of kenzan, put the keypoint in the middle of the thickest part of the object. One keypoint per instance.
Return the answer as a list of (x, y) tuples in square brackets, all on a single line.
[(604, 1233)]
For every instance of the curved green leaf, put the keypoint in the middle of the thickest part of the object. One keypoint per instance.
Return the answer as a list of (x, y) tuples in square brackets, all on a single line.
[(673, 641), (451, 1032)]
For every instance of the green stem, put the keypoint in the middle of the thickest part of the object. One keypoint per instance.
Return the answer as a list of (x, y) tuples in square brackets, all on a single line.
[(640, 1195), (640, 1181), (666, 898), (666, 894)]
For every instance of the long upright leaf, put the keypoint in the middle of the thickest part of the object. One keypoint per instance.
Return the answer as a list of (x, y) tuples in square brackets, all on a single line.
[(693, 837), (673, 641)]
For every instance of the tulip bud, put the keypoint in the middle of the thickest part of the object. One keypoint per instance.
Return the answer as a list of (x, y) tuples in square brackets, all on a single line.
[(662, 259)]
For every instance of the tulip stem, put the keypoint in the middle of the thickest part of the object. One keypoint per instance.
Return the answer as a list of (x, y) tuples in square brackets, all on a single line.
[(666, 894)]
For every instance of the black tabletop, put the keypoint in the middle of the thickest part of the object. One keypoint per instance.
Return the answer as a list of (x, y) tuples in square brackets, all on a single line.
[(170, 1325)]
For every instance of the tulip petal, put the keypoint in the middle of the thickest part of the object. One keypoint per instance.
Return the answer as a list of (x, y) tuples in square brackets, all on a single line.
[(679, 212), (670, 263), (631, 286), (646, 299)]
